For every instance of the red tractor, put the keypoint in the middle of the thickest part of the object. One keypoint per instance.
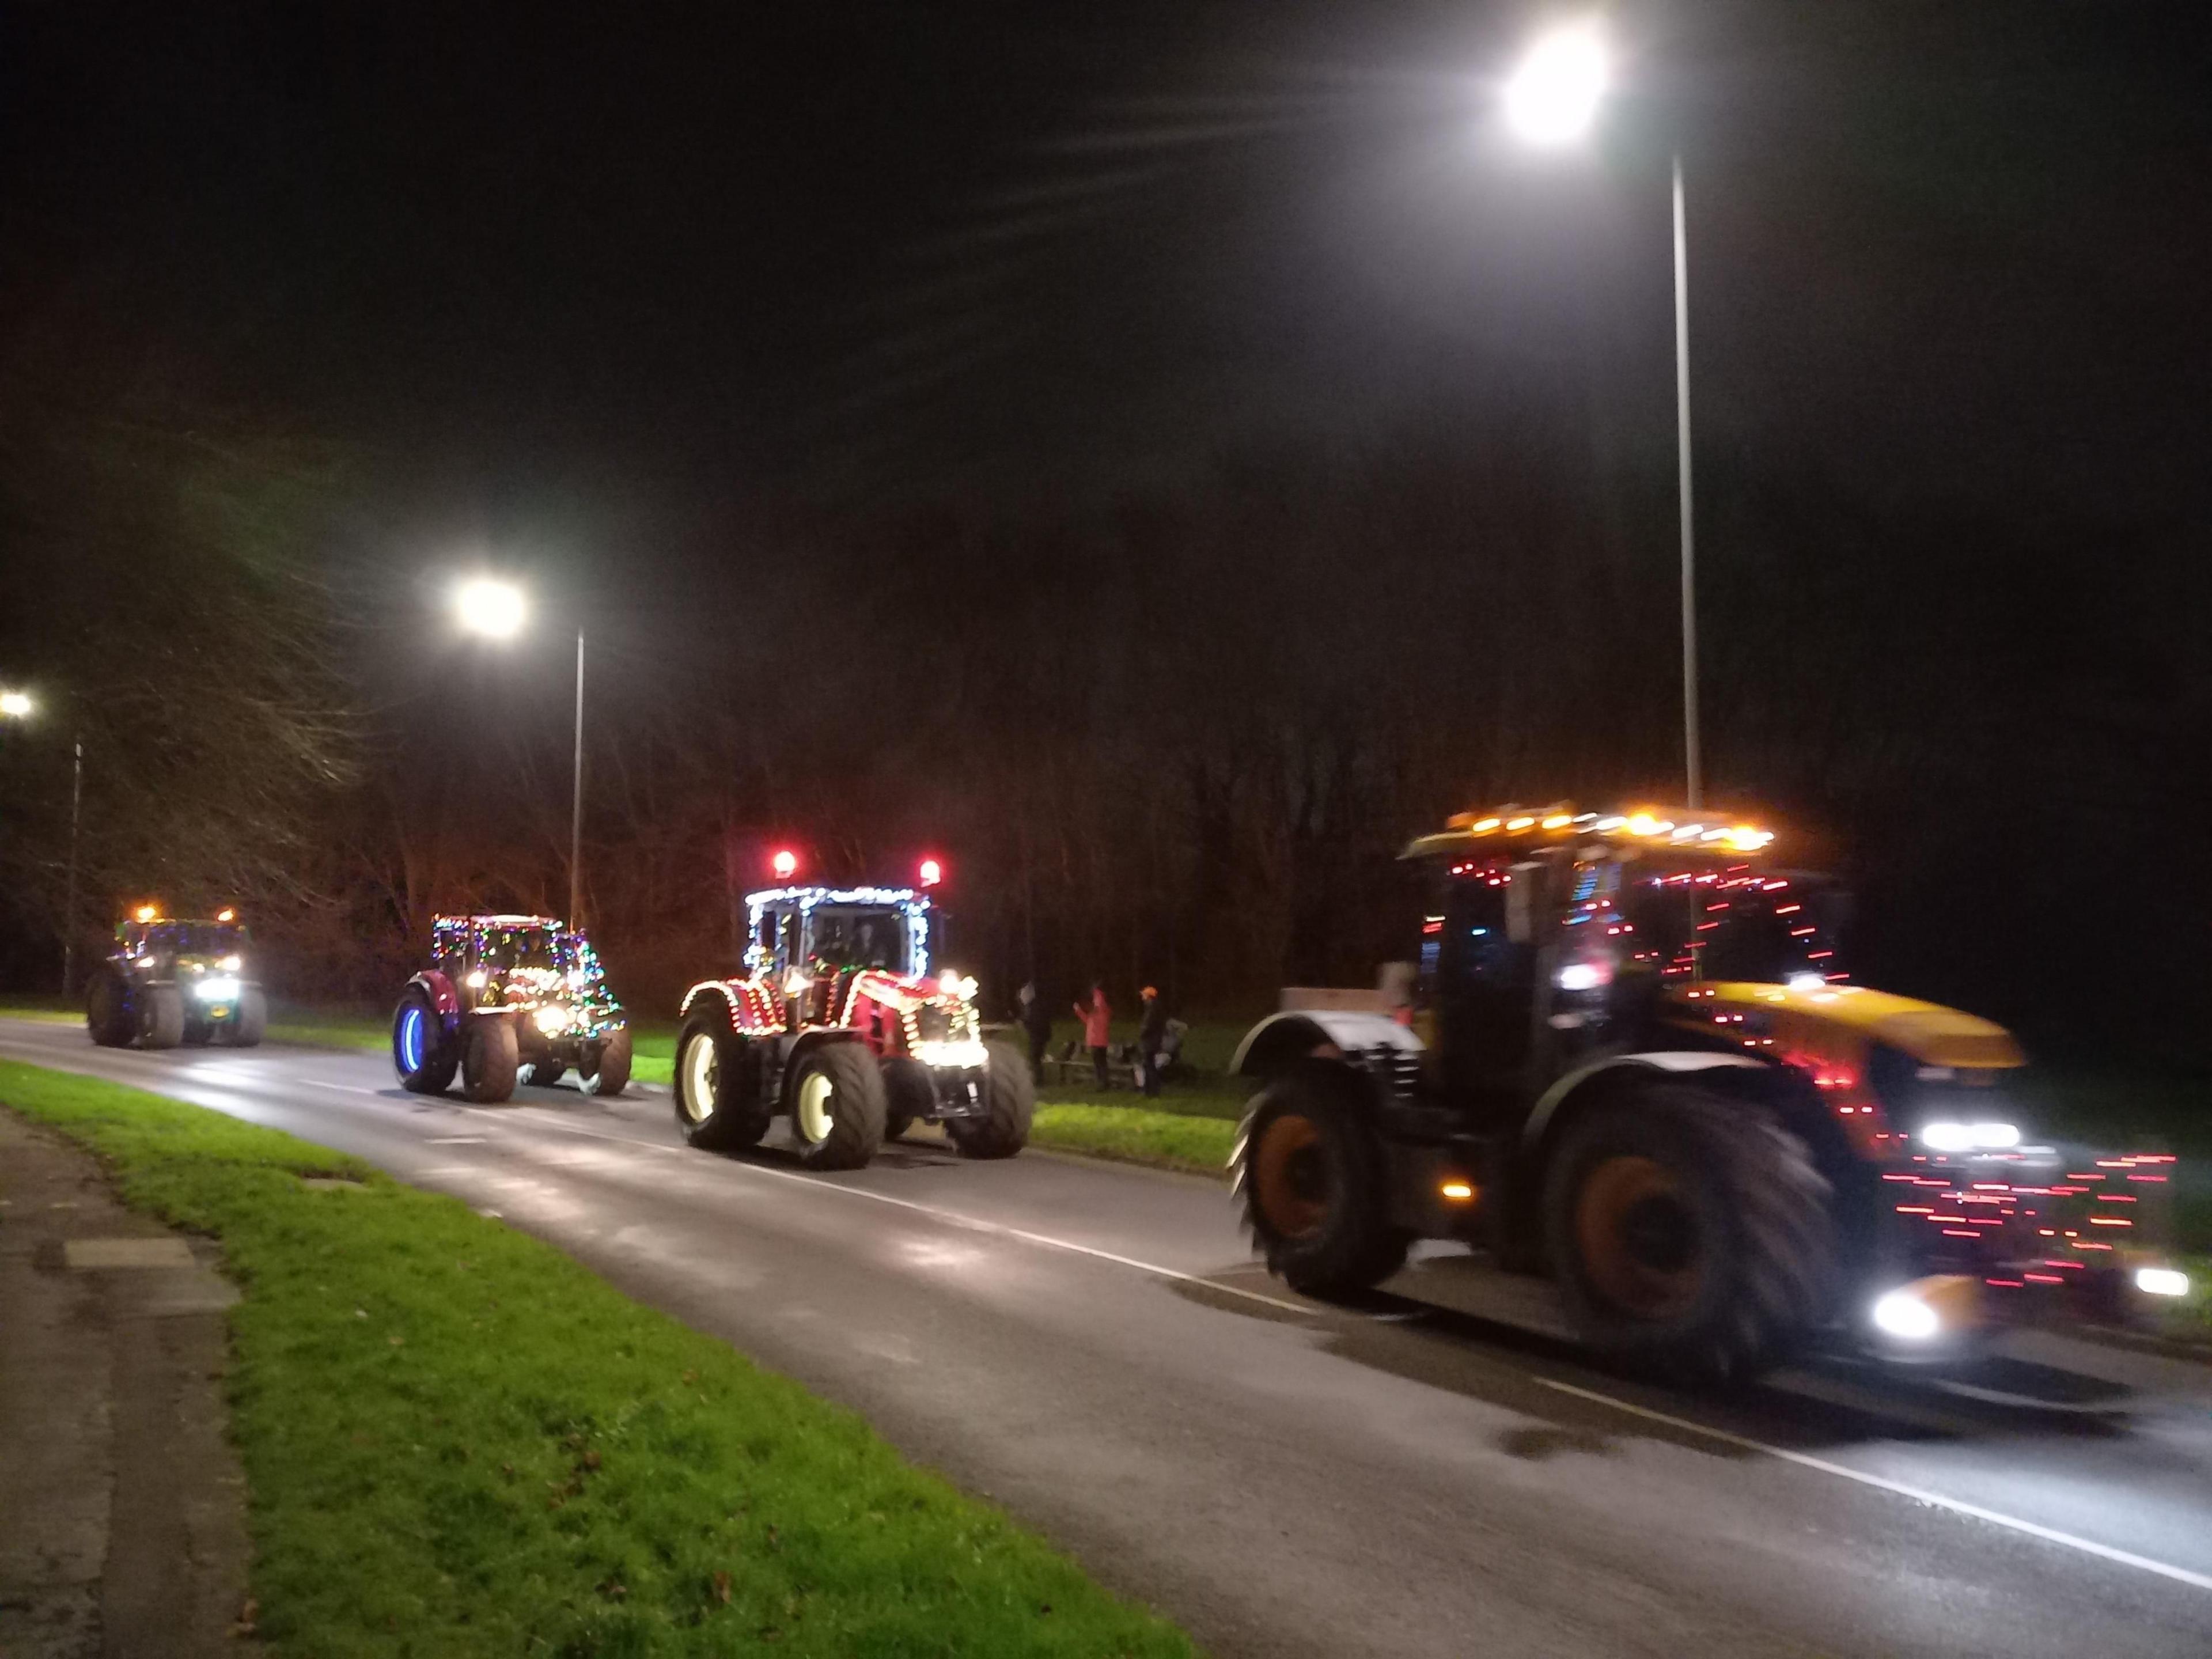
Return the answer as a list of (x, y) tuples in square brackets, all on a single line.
[(842, 1026)]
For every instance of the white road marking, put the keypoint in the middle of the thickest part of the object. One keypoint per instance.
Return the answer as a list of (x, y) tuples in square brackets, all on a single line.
[(452, 1141), (1918, 1494)]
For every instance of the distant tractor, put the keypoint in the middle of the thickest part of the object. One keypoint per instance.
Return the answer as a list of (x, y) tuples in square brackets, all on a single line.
[(170, 980), (841, 1026), (509, 998), (1628, 1055)]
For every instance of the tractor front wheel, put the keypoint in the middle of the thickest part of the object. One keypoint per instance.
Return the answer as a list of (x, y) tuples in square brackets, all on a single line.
[(1310, 1170), (1690, 1234), (426, 1062), (906, 1094), (490, 1058), (1009, 1104), (717, 1086), (165, 1017), (250, 1019), (837, 1106), (607, 1070)]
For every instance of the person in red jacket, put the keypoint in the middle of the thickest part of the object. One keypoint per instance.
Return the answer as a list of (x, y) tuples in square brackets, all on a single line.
[(1097, 1017)]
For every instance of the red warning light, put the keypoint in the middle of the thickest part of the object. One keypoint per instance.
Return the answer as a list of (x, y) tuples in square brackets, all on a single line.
[(932, 872), (785, 863)]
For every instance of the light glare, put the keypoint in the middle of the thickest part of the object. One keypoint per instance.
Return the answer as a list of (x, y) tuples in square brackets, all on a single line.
[(1901, 1314), (2162, 1281), (16, 705), (1552, 98), (493, 609)]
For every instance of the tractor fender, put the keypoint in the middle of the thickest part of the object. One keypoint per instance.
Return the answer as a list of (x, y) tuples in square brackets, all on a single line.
[(793, 1051), (1592, 1079), (1298, 1033), (440, 989), (708, 993)]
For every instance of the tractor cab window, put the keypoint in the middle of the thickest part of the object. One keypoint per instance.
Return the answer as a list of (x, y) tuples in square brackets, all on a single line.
[(869, 937), (523, 947), (194, 938)]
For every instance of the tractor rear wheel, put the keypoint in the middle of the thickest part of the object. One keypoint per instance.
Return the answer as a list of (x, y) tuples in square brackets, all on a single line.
[(1009, 1104), (108, 1014), (425, 1060), (1310, 1168), (252, 1018), (606, 1071), (837, 1106), (490, 1058), (1690, 1234), (717, 1090), (165, 1017)]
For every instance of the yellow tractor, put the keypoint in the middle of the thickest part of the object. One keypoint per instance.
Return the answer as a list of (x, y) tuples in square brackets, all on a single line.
[(1628, 1054)]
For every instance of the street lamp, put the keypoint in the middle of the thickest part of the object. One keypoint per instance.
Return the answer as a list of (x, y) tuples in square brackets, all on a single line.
[(497, 610), (1553, 98), (21, 706)]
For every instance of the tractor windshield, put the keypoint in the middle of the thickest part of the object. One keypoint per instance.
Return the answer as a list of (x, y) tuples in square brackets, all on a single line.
[(508, 948), (195, 938), (1761, 929), (859, 936)]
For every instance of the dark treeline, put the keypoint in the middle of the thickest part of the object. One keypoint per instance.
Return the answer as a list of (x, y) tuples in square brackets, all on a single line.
[(1175, 739)]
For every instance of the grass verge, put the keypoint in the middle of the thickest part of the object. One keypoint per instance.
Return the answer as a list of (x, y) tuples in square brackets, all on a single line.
[(1135, 1135), (459, 1442)]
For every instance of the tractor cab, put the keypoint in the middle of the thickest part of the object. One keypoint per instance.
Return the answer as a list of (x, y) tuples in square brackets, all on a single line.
[(820, 930)]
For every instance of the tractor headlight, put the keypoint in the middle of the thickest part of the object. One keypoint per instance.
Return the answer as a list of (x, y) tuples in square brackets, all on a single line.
[(1902, 1314), (952, 1054), (2162, 1281), (231, 964), (1946, 1136), (217, 990), (553, 1019)]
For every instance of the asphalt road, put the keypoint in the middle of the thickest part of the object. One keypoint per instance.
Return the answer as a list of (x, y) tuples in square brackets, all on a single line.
[(1436, 1474)]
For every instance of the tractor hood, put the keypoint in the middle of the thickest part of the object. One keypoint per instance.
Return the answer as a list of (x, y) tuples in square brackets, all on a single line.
[(1930, 1033)]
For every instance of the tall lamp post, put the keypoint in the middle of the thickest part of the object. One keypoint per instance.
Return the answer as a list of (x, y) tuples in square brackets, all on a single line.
[(1551, 100), (497, 610), (20, 706)]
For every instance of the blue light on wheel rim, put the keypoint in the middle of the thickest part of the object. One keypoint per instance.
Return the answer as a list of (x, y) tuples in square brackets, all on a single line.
[(410, 1039)]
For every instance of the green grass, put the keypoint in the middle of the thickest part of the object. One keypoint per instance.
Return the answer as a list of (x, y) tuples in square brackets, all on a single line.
[(1135, 1135), (459, 1442)]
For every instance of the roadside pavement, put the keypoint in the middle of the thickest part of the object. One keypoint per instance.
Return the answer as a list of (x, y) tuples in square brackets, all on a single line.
[(122, 1503)]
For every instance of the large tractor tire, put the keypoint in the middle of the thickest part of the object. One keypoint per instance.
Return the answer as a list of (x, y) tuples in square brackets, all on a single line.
[(110, 1016), (1009, 1103), (252, 1020), (717, 1090), (907, 1095), (491, 1057), (165, 1017), (607, 1072), (1690, 1234), (425, 1060), (1311, 1172), (837, 1106)]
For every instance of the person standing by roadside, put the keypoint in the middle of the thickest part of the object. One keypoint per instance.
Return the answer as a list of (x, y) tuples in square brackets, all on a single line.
[(1151, 1039), (1097, 1017), (1036, 1026)]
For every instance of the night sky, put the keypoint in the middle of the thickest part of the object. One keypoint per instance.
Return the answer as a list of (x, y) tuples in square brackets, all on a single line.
[(675, 257)]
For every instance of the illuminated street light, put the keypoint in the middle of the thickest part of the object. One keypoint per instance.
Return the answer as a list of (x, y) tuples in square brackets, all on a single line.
[(17, 705), (1553, 96), (495, 609)]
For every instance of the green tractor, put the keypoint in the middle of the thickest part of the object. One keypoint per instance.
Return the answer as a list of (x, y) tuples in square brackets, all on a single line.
[(173, 981), (1628, 1056)]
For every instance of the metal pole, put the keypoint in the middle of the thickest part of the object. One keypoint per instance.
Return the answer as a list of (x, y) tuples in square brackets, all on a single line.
[(69, 903), (1690, 759), (576, 813)]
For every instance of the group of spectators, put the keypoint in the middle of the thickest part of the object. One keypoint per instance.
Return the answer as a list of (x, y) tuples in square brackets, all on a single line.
[(1095, 1015)]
